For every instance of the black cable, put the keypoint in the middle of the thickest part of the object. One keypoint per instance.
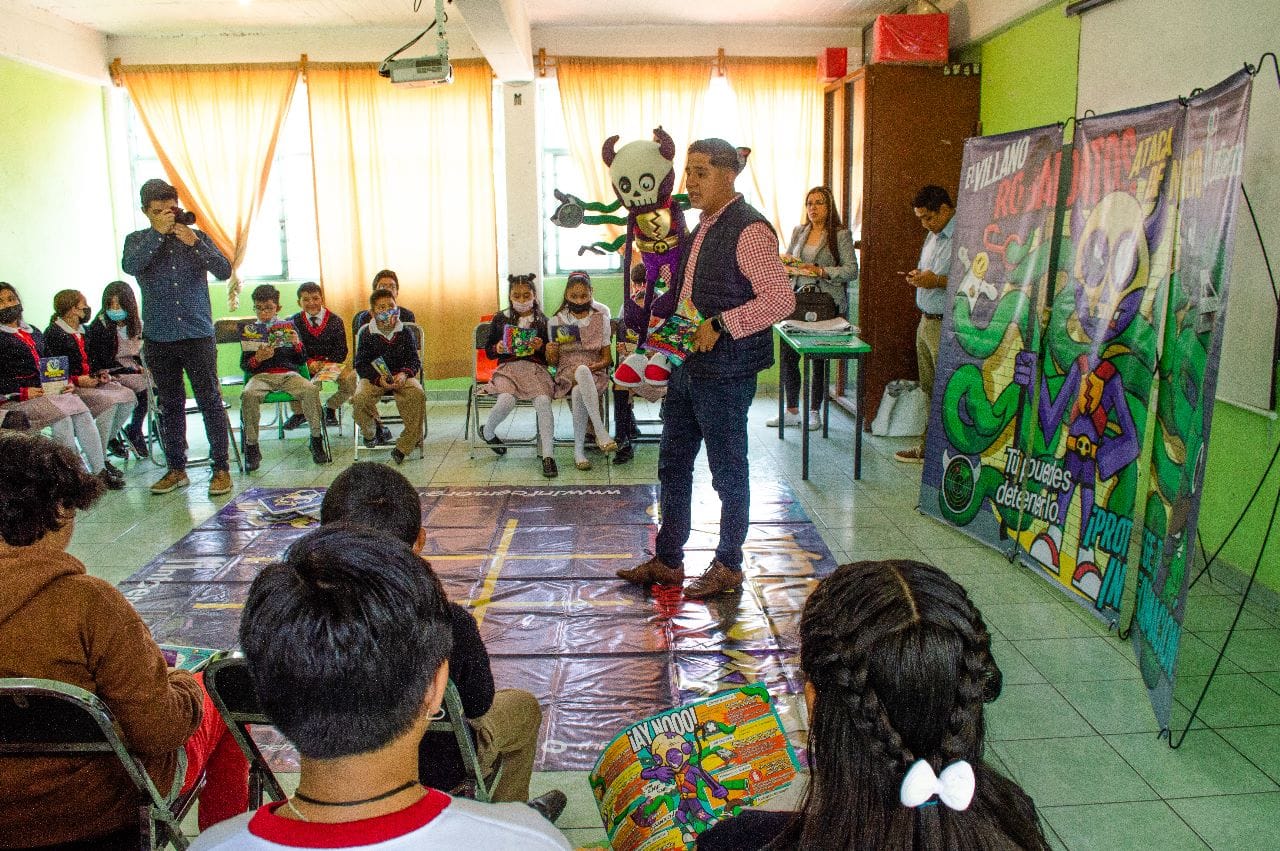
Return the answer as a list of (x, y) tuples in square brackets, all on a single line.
[(382, 69), (1211, 559)]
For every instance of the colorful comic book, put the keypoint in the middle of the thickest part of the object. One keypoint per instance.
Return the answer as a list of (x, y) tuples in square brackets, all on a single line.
[(381, 366), (191, 659), (672, 337), (298, 503), (667, 779), (518, 341), (278, 335), (54, 374), (323, 370), (562, 333)]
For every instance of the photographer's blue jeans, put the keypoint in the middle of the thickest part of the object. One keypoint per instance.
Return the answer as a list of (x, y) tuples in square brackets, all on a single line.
[(714, 411)]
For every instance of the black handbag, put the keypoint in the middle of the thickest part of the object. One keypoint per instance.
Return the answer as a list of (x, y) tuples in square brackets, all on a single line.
[(814, 305)]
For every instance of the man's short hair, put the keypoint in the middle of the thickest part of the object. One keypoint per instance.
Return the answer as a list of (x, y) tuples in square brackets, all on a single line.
[(932, 198), (266, 292), (385, 273), (309, 287), (374, 496), (720, 154), (380, 292), (156, 189), (343, 638)]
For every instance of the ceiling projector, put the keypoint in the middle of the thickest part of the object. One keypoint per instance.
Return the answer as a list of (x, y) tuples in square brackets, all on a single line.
[(423, 71)]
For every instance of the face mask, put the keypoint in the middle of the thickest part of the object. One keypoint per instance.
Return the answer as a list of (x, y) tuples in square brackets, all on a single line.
[(11, 315), (579, 306), (84, 315), (387, 315), (117, 314), (522, 306)]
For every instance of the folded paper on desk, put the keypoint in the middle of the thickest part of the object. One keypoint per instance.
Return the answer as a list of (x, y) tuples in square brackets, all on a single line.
[(839, 325)]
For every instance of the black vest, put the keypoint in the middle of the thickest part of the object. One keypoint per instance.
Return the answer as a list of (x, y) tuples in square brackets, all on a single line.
[(719, 285)]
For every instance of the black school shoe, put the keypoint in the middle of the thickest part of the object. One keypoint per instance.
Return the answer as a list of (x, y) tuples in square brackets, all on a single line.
[(495, 443), (318, 454), (330, 417), (295, 421), (550, 804), (625, 452), (384, 435), (397, 456), (549, 468), (252, 457)]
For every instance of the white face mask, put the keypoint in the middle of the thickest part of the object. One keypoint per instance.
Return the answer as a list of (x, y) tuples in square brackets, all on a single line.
[(522, 306)]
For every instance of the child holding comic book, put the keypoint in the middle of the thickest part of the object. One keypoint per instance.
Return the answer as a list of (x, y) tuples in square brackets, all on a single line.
[(517, 341), (579, 350), (387, 361)]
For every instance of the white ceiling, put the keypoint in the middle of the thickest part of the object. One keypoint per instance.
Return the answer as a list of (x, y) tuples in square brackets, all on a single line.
[(162, 17)]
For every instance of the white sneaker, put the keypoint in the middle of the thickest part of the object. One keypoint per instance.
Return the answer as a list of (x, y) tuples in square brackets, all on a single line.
[(815, 420), (791, 420)]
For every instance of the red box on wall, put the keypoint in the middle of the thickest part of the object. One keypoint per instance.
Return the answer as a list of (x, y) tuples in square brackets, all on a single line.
[(833, 63), (915, 39)]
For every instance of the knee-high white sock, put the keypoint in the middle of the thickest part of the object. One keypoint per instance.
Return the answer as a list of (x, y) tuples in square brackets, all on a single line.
[(501, 410), (546, 425), (90, 440), (580, 418), (586, 382), (124, 413), (104, 422), (64, 432)]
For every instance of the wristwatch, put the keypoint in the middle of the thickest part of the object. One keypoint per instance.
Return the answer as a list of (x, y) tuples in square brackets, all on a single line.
[(717, 324)]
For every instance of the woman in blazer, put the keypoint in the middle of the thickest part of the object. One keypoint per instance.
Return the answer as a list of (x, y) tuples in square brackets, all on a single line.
[(823, 249)]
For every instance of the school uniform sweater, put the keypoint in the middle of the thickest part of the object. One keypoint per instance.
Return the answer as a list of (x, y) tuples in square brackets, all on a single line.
[(103, 341), (399, 352), (58, 342), (20, 355), (328, 342)]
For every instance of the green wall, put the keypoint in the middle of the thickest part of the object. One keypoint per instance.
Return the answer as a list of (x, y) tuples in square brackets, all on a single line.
[(1029, 72), (56, 228)]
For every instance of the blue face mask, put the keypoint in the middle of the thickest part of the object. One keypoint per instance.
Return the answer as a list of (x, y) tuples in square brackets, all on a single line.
[(387, 315), (117, 315)]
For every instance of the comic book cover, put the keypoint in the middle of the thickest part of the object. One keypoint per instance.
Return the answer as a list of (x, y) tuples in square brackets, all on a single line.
[(282, 335), (518, 341), (322, 370), (667, 779), (562, 333), (672, 337), (277, 335), (297, 503), (381, 366), (53, 375), (191, 659)]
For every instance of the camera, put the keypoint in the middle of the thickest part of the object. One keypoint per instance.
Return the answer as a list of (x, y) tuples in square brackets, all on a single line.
[(183, 217)]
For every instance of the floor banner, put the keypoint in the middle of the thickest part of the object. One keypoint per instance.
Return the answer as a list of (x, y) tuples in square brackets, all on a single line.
[(1208, 170), (997, 286)]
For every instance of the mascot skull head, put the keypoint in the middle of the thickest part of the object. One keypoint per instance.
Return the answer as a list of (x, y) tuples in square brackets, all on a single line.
[(641, 172), (1112, 265), (670, 749)]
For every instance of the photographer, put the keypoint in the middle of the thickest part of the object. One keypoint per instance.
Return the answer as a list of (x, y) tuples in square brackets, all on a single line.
[(172, 262)]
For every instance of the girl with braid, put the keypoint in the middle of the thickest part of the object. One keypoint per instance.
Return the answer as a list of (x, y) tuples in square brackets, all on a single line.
[(898, 668)]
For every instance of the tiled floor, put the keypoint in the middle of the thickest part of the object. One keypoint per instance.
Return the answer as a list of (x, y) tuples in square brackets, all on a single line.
[(1073, 725)]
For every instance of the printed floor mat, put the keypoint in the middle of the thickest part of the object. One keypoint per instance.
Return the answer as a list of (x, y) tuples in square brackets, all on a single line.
[(535, 565)]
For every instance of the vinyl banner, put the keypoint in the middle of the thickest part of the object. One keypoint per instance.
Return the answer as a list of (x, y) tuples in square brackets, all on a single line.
[(995, 290), (1208, 171), (1093, 382)]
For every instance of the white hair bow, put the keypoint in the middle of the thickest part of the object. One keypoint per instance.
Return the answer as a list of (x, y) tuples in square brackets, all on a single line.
[(954, 787)]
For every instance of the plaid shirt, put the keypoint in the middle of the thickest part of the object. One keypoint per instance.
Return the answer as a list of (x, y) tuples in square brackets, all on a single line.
[(757, 257)]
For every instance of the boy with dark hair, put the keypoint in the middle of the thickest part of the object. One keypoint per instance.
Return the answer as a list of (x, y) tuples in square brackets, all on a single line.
[(275, 365), (387, 362), (347, 641), (384, 279), (505, 725), (324, 340)]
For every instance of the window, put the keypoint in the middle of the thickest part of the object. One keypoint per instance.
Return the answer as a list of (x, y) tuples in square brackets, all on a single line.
[(282, 240)]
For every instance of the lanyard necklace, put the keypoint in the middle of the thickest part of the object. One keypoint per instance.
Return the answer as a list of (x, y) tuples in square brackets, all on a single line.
[(318, 803)]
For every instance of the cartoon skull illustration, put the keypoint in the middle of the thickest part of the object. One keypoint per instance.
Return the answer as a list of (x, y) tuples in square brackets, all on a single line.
[(1112, 263)]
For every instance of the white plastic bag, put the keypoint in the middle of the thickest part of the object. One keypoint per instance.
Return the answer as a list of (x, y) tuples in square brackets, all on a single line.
[(903, 411)]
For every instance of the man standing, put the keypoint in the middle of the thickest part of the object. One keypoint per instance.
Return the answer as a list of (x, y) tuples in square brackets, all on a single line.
[(933, 207), (172, 264), (730, 269)]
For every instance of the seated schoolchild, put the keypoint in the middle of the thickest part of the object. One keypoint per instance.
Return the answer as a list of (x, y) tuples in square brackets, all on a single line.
[(324, 340), (504, 723), (385, 279), (898, 668), (109, 402), (114, 339), (276, 368), (579, 350), (387, 362), (347, 640), (58, 623), (521, 374), (21, 391)]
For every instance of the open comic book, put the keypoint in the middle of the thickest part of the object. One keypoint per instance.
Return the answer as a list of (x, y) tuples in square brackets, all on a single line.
[(665, 780), (191, 659), (278, 334)]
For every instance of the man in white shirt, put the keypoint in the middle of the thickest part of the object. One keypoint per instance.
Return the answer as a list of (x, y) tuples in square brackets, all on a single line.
[(932, 206), (347, 640)]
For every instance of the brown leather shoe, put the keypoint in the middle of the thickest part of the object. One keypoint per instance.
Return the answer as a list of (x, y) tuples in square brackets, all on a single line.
[(220, 484), (171, 481), (653, 572), (910, 456), (719, 579)]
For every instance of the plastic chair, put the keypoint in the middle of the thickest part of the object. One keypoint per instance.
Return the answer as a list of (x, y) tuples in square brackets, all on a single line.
[(391, 415), (49, 718), (280, 398), (477, 398)]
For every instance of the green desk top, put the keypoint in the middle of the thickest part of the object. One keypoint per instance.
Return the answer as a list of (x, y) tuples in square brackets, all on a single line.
[(831, 345)]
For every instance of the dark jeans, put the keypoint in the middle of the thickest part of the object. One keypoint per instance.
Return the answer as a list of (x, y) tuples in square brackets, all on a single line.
[(199, 359), (790, 365), (712, 410)]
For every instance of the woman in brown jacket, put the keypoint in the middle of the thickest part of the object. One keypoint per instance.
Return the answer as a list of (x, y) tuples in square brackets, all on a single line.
[(58, 623)]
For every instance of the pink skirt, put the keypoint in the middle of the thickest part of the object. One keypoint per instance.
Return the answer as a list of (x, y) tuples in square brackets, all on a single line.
[(98, 399), (46, 410), (569, 363), (523, 379)]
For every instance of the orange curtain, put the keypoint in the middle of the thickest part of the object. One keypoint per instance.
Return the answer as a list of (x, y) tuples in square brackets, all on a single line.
[(404, 181), (780, 108), (628, 98), (215, 130)]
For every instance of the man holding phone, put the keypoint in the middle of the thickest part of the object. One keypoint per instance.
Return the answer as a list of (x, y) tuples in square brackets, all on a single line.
[(172, 263), (932, 206)]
